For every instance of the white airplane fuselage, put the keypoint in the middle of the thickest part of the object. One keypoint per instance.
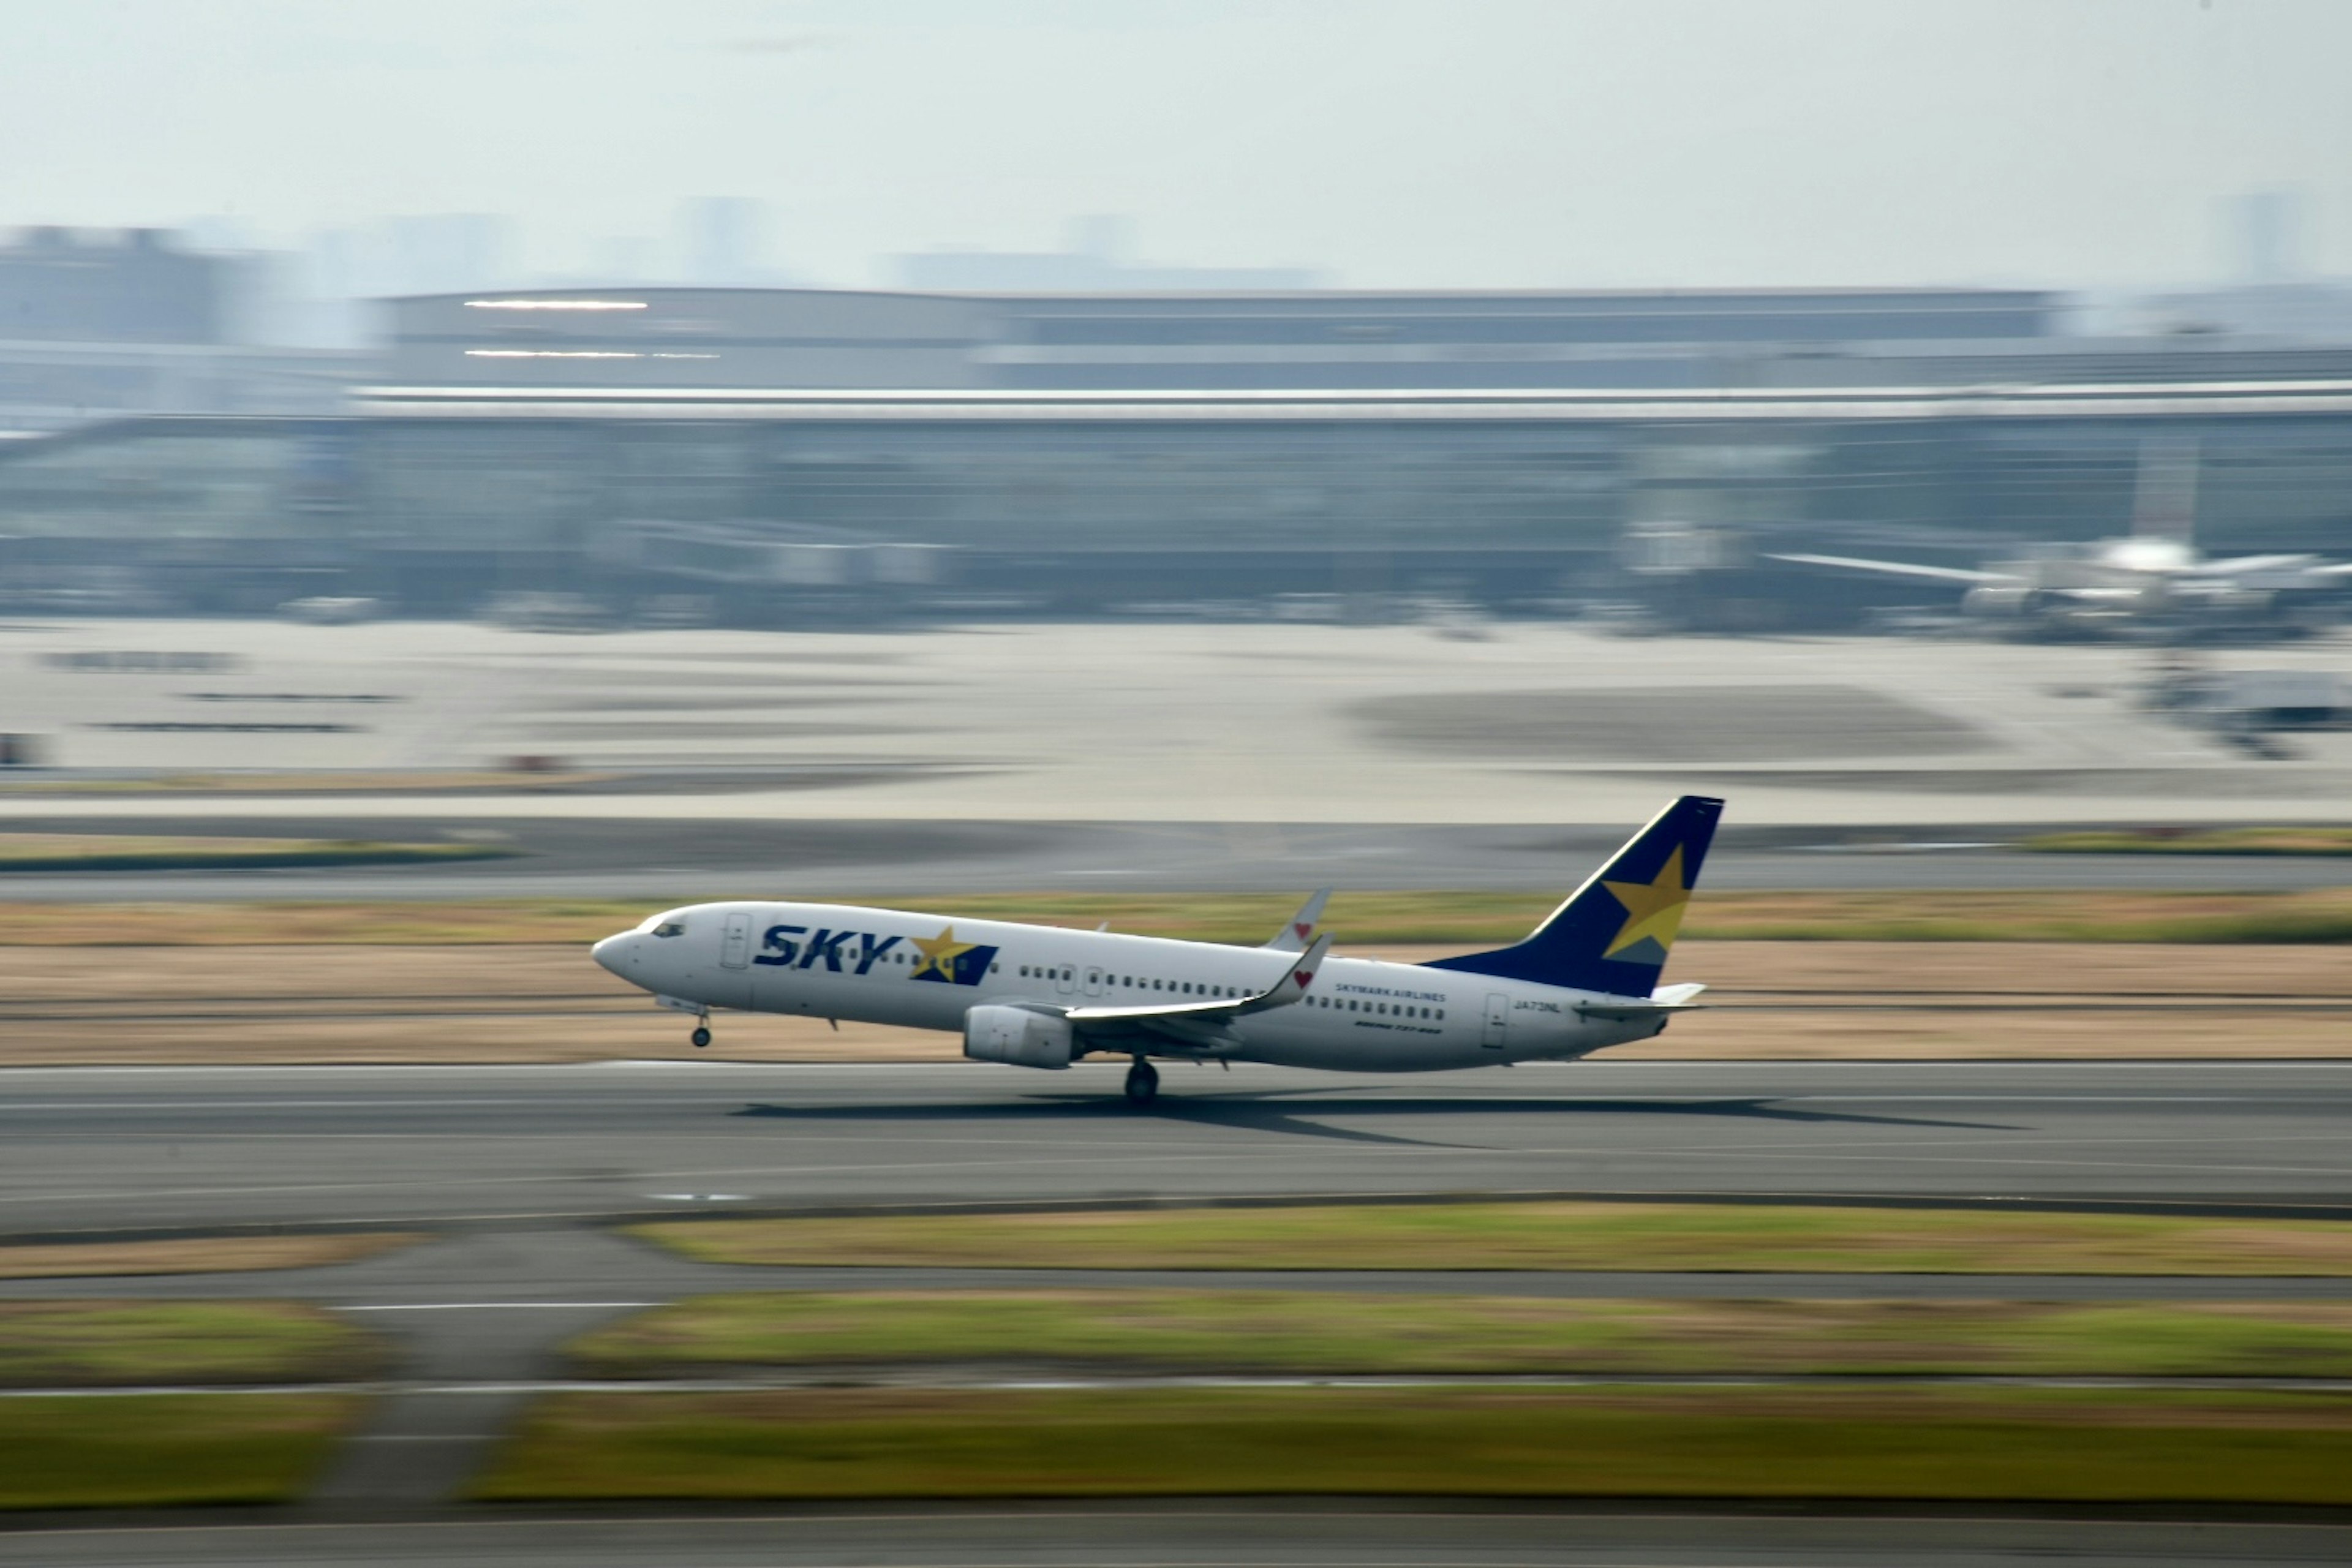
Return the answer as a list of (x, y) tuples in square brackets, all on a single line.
[(928, 972)]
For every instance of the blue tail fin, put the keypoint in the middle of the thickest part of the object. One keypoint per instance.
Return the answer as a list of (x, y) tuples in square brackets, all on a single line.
[(1614, 932)]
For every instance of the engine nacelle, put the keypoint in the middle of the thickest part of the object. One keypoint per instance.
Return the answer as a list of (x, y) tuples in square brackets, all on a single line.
[(1016, 1036)]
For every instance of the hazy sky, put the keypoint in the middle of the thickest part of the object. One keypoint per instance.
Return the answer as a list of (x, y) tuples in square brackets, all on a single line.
[(1460, 143)]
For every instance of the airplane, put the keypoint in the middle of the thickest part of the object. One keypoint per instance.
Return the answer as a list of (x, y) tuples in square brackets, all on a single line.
[(1047, 996), (2153, 575)]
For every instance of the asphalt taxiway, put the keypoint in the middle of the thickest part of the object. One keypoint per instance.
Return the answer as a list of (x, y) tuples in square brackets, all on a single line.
[(1214, 1534), (661, 859)]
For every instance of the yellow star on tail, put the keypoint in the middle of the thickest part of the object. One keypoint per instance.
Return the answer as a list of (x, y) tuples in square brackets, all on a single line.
[(1652, 909), (939, 953)]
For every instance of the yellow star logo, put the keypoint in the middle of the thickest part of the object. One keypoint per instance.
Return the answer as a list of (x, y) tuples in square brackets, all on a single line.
[(1652, 910), (939, 955)]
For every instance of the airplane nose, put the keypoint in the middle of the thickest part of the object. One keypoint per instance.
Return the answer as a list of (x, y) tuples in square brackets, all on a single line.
[(611, 951)]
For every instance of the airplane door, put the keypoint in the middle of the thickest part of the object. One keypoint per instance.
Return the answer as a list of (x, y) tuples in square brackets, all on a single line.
[(735, 945), (1498, 1018), (1094, 982), (1066, 979)]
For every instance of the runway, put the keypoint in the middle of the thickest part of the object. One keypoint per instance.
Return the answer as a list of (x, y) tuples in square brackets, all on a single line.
[(516, 1173), (126, 1149)]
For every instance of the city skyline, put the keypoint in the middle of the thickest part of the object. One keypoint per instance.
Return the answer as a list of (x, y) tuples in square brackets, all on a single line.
[(2099, 145)]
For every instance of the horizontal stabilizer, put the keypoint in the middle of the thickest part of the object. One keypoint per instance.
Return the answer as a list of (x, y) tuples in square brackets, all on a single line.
[(1664, 1000)]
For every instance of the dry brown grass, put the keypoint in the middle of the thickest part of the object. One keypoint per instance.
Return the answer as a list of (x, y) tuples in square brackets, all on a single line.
[(199, 1255), (340, 1002), (1464, 919)]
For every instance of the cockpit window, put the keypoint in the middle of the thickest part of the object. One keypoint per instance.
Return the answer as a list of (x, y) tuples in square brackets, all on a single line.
[(671, 928)]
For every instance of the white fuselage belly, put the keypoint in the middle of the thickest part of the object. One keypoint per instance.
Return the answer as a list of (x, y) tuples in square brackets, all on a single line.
[(1357, 1015)]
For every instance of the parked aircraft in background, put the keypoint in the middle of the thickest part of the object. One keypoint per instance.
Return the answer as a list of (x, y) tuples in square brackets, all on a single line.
[(2153, 581), (1045, 996)]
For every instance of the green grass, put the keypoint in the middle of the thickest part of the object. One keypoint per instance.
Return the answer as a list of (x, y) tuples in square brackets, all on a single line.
[(57, 1344), (163, 1450), (1358, 918), (1553, 1235), (2197, 841), (141, 852), (2074, 1445), (1265, 1331)]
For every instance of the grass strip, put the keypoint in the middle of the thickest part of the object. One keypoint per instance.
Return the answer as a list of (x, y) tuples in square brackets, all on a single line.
[(63, 1344), (1733, 1237), (2045, 915), (191, 1255), (2058, 1445), (166, 1450), (2196, 841), (1273, 1331), (141, 852)]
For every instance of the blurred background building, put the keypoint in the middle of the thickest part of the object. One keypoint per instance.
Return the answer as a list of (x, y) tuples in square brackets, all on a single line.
[(97, 326), (1074, 433)]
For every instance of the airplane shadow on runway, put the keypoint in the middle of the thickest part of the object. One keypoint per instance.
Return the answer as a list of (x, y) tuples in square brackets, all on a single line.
[(1250, 1111)]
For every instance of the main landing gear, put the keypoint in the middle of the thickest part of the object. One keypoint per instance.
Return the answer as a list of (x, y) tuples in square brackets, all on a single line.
[(1142, 1083)]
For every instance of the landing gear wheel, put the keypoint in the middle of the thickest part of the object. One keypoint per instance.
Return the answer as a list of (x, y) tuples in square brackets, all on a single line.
[(1142, 1083), (701, 1037)]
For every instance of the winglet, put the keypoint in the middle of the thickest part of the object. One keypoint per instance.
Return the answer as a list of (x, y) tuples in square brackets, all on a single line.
[(1294, 937), (1294, 983)]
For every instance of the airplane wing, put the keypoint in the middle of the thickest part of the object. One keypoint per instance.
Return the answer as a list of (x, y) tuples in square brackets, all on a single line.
[(2251, 564), (1294, 937), (1198, 1024), (1899, 568), (2334, 569), (1666, 999)]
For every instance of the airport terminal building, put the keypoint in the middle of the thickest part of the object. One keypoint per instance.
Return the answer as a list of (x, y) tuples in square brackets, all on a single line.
[(776, 449)]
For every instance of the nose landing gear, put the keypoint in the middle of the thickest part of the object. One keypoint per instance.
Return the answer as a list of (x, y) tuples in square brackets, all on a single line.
[(701, 1037), (1142, 1083)]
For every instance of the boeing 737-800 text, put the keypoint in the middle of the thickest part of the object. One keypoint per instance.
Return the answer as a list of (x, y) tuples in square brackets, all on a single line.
[(1044, 997)]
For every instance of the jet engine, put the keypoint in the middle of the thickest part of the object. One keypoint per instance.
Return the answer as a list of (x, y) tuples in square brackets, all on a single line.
[(1018, 1036)]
